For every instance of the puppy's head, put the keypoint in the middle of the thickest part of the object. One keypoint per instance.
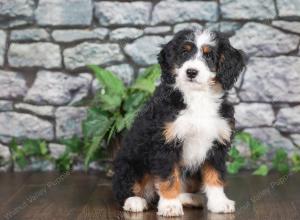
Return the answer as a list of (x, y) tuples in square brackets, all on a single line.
[(198, 60)]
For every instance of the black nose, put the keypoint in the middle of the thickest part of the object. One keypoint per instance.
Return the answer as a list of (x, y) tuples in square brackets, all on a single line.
[(191, 73)]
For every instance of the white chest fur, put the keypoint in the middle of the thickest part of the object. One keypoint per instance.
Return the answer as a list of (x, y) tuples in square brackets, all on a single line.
[(199, 125)]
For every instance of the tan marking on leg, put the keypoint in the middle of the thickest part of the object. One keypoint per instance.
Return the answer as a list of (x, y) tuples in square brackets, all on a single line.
[(145, 188), (139, 186), (170, 188), (211, 176), (168, 132)]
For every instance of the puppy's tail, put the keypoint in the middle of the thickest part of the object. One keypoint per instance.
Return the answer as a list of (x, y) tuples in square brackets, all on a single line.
[(123, 180)]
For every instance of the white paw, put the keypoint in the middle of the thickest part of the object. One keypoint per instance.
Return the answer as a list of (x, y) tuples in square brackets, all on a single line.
[(169, 207), (221, 205), (190, 200), (135, 204)]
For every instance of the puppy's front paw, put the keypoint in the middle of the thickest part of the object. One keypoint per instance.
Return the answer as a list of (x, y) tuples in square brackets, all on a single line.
[(135, 204), (169, 207), (221, 205)]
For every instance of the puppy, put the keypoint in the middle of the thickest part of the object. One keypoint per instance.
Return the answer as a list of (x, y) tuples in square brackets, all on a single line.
[(178, 143)]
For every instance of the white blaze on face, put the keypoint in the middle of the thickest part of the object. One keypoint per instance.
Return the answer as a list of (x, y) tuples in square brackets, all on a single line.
[(197, 62)]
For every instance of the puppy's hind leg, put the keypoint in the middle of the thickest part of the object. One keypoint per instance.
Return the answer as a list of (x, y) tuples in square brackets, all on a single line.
[(144, 192), (123, 183)]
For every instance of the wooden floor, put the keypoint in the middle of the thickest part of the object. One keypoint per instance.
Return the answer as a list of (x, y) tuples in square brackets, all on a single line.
[(88, 196)]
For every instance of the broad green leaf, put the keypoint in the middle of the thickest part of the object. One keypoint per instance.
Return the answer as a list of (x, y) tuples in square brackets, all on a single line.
[(92, 148), (111, 83), (18, 154), (233, 152), (120, 123), (262, 170), (280, 161), (95, 127), (146, 81), (129, 118), (31, 147), (257, 149), (64, 162), (111, 132), (151, 73), (13, 145), (43, 148), (134, 101), (234, 167), (244, 137), (95, 123), (295, 162), (21, 160), (283, 168), (110, 102), (280, 155), (295, 159), (144, 85), (296, 168), (73, 144)]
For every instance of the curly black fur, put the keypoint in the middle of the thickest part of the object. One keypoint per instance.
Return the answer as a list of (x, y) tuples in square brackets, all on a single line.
[(144, 149)]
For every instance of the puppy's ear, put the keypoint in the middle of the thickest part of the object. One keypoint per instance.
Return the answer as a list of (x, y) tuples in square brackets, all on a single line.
[(165, 60), (230, 62)]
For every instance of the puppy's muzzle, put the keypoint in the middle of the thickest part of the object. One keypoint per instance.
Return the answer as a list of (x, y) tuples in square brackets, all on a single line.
[(191, 73)]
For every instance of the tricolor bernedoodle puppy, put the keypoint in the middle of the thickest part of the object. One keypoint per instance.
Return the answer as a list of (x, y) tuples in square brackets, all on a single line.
[(178, 143)]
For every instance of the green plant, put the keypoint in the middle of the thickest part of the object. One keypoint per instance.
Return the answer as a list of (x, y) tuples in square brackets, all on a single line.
[(280, 160), (114, 108), (296, 162), (73, 150), (112, 112), (236, 161), (262, 170), (256, 148), (21, 154)]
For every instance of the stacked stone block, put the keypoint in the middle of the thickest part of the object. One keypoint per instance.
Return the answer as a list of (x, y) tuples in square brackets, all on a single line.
[(45, 46)]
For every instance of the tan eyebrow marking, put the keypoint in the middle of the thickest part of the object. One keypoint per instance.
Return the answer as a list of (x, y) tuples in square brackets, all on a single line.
[(206, 49)]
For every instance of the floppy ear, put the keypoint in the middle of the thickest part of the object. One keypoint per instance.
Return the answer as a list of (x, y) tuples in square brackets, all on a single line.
[(165, 60), (230, 63)]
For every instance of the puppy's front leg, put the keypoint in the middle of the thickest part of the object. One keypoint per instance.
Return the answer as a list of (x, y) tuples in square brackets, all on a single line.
[(169, 190), (213, 187)]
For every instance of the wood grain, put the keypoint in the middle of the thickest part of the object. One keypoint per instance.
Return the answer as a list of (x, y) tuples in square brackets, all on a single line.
[(89, 196)]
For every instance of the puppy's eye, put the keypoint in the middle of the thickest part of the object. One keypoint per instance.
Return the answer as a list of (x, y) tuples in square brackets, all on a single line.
[(186, 48)]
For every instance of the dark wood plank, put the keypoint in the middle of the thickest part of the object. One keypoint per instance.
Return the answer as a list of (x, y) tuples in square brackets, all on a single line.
[(10, 184), (89, 196), (275, 198), (52, 199), (237, 190)]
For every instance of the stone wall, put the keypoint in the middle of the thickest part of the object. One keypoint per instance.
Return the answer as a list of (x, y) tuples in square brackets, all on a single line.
[(45, 45)]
